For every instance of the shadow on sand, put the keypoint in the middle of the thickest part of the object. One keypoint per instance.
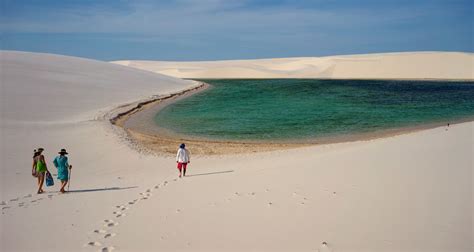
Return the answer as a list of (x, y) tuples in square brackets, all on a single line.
[(102, 189), (209, 173)]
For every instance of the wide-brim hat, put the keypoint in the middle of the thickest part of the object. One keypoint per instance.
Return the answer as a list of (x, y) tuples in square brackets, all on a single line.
[(63, 151)]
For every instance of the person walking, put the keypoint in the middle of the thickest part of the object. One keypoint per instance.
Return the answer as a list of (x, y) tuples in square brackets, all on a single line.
[(40, 168), (183, 158), (62, 164)]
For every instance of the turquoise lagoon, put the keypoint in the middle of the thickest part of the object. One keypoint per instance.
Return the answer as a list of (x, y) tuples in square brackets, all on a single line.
[(301, 109)]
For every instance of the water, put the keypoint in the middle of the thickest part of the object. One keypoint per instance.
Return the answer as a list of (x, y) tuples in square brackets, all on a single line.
[(296, 109)]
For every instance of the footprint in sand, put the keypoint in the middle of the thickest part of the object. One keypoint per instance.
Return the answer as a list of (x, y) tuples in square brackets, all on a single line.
[(6, 207), (178, 210), (157, 186), (120, 215), (131, 202), (149, 190), (100, 231), (109, 235), (144, 198), (270, 203), (324, 248), (107, 249), (121, 208), (21, 204), (110, 223), (117, 212), (94, 244), (3, 203), (28, 196), (15, 199)]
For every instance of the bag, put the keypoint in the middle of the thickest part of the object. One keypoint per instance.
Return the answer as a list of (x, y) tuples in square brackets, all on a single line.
[(49, 179), (34, 173)]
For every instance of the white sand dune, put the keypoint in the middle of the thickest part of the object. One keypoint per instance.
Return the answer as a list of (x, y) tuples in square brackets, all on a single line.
[(413, 65), (412, 192)]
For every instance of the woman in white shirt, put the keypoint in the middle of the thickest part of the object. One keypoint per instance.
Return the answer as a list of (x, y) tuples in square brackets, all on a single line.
[(182, 158)]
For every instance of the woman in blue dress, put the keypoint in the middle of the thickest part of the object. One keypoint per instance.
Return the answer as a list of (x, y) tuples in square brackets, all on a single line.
[(61, 163)]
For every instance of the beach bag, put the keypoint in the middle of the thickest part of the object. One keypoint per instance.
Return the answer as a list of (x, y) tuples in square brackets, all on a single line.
[(49, 179)]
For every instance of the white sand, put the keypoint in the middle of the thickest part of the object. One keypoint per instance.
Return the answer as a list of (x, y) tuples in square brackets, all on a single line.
[(412, 192), (412, 65)]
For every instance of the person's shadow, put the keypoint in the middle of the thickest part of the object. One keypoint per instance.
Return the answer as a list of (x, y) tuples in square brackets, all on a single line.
[(101, 189), (209, 173)]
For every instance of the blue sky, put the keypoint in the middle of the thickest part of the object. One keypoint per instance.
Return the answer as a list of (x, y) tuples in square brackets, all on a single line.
[(228, 29)]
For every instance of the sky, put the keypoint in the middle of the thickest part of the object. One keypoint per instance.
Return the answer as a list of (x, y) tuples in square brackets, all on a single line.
[(189, 30)]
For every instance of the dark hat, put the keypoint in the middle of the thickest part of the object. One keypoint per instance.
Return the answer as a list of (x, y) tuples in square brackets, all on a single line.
[(63, 151), (40, 149), (182, 146)]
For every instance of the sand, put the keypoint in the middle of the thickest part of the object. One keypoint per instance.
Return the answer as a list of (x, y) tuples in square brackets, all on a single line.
[(410, 192), (409, 65)]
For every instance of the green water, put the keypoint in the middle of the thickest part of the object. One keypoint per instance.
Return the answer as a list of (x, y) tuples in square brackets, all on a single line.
[(288, 109)]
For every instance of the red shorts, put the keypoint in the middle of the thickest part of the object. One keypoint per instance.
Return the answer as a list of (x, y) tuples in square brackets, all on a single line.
[(182, 165)]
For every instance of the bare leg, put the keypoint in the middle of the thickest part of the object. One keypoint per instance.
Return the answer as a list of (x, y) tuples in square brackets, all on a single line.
[(40, 182), (184, 171), (63, 184)]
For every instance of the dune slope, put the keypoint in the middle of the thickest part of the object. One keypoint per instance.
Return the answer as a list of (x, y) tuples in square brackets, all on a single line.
[(409, 65)]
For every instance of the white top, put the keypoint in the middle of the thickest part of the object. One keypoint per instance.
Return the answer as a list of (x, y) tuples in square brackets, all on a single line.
[(183, 156)]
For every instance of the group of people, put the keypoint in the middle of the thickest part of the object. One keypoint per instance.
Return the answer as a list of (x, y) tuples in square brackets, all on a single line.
[(40, 168)]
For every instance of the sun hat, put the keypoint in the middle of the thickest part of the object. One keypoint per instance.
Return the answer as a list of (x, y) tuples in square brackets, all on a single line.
[(182, 146), (63, 151), (40, 149)]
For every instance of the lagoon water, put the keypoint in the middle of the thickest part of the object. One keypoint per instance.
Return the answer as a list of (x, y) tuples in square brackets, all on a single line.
[(299, 109)]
